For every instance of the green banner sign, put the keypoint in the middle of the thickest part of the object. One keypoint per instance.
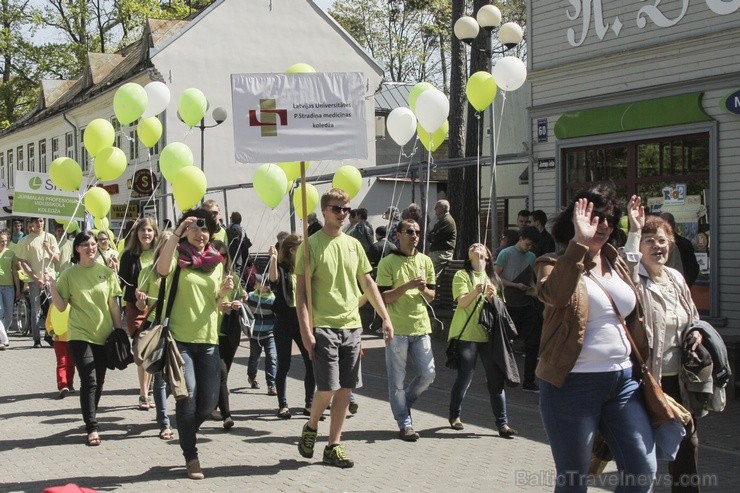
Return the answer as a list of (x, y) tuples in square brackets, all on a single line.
[(35, 195)]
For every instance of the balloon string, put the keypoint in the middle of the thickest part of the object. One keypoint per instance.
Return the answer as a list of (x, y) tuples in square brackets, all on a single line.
[(128, 202), (494, 156), (477, 168)]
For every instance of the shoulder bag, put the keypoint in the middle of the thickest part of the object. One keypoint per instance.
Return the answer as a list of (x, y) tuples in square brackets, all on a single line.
[(453, 347), (151, 347)]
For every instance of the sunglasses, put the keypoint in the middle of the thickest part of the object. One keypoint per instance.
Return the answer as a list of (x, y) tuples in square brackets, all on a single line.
[(412, 232), (337, 209), (610, 220)]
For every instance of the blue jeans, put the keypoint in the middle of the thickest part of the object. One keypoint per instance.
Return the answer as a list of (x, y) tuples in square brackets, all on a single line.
[(495, 379), (396, 353), (612, 403), (202, 370), (255, 350), (7, 298), (161, 391)]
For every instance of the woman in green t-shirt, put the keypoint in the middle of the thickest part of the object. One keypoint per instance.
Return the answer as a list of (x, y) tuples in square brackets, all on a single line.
[(193, 325), (468, 286), (9, 287), (90, 289)]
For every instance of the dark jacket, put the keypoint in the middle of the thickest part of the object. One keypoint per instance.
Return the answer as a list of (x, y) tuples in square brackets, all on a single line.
[(443, 235), (128, 274)]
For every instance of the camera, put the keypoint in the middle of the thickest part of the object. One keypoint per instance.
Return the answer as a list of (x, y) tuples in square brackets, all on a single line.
[(200, 222)]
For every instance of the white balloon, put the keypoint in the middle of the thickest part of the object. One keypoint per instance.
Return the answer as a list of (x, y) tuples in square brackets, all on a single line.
[(401, 125), (509, 73), (432, 109), (159, 98)]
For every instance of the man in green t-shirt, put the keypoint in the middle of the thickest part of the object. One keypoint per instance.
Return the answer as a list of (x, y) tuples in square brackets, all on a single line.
[(406, 279), (330, 323)]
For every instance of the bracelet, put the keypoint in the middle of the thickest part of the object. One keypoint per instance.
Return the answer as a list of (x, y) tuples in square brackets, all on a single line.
[(176, 235)]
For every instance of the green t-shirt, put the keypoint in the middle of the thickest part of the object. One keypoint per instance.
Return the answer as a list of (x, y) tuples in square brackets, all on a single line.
[(88, 290), (149, 282), (194, 317), (409, 312), (7, 262), (31, 250), (336, 262), (461, 285), (220, 235)]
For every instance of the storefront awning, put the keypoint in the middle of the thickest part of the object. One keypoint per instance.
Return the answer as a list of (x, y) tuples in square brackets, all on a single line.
[(662, 112)]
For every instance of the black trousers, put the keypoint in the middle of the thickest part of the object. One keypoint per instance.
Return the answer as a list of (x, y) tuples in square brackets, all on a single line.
[(227, 352), (286, 332), (90, 361)]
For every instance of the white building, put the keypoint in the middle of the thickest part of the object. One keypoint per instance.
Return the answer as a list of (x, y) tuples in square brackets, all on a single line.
[(229, 36)]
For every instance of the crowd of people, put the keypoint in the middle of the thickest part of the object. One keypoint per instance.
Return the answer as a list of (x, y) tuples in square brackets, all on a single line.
[(565, 293)]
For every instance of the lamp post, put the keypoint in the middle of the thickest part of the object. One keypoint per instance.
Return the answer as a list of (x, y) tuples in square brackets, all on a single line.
[(510, 34), (219, 116)]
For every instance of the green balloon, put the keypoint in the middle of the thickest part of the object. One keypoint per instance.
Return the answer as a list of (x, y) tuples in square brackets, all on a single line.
[(416, 92), (173, 158), (66, 174), (312, 200), (192, 106), (99, 134), (349, 179), (188, 187), (270, 184), (300, 68), (101, 223), (129, 102), (110, 163), (97, 202), (149, 131), (432, 142), (481, 90), (292, 169)]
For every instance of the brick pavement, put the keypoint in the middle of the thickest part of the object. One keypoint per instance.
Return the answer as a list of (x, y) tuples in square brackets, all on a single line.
[(42, 439)]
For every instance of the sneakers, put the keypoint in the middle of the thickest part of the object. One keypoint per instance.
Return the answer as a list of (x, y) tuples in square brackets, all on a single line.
[(307, 442), (36, 344), (63, 392), (284, 413), (194, 470), (253, 383), (334, 455), (507, 432), (271, 390), (531, 387), (353, 407), (456, 424), (408, 434)]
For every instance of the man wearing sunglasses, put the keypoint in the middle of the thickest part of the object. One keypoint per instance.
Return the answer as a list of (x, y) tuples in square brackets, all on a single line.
[(406, 279), (331, 328)]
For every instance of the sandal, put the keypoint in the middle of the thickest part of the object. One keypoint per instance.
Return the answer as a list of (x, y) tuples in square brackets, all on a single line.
[(143, 403), (93, 439), (150, 402), (284, 413), (166, 433)]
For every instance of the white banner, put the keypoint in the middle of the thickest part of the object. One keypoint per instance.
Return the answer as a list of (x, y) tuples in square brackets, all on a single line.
[(299, 117), (36, 196)]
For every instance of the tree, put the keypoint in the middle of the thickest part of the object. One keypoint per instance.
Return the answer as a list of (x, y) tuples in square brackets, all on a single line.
[(407, 37)]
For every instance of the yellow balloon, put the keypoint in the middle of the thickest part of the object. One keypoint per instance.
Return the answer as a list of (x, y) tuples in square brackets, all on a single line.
[(97, 202), (59, 320), (149, 131), (349, 179), (102, 223), (188, 187), (481, 90), (270, 184), (99, 134), (293, 169), (432, 142), (66, 174), (192, 106), (174, 157), (312, 200), (110, 163), (300, 68)]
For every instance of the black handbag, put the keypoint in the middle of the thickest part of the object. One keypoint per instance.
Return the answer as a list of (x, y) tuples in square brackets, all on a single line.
[(453, 347), (118, 350), (237, 322)]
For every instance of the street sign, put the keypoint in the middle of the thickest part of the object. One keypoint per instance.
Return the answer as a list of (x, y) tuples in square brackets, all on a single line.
[(732, 103), (546, 163), (542, 130)]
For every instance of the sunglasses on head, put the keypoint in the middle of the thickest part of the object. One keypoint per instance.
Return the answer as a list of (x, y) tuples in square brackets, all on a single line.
[(337, 209), (412, 232)]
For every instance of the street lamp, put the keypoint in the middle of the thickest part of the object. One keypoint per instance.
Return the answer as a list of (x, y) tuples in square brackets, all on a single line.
[(219, 116), (510, 34)]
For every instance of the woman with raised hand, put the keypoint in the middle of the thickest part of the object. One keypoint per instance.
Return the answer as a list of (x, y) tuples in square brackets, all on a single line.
[(469, 286), (585, 367), (193, 323), (668, 319), (287, 330), (91, 289), (139, 254)]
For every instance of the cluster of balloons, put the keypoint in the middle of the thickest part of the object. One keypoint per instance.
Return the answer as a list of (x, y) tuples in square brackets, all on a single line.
[(426, 116), (509, 74)]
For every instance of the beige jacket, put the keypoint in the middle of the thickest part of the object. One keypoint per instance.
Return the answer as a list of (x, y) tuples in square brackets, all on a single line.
[(560, 285)]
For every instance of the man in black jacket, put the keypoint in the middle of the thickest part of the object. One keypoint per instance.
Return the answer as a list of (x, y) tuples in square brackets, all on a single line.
[(238, 241)]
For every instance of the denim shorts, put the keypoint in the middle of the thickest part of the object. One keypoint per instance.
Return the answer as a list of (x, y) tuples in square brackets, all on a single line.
[(336, 358)]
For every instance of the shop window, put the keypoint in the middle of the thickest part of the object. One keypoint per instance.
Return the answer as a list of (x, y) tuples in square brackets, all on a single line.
[(670, 174)]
